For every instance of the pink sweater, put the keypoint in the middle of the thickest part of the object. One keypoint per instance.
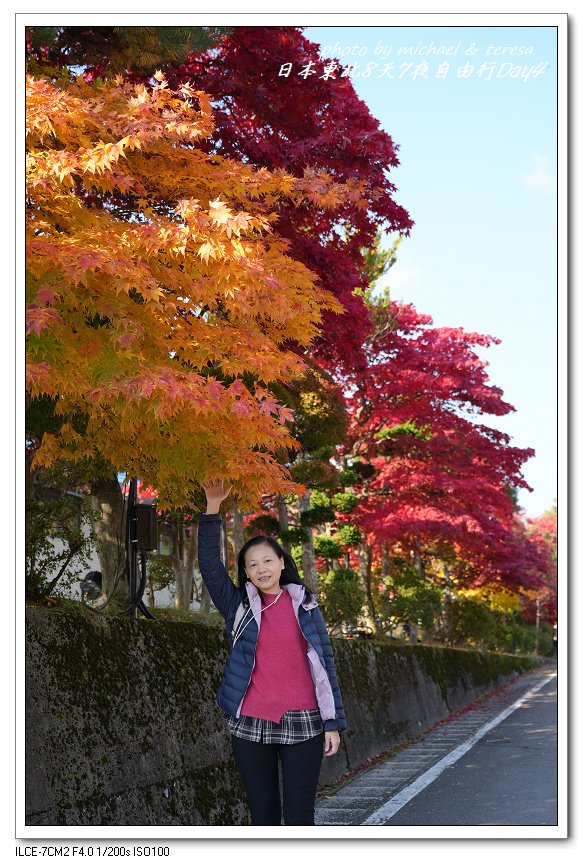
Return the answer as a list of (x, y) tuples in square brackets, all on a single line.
[(281, 679)]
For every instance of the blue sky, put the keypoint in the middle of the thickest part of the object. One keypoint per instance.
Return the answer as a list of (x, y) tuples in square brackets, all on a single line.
[(478, 176)]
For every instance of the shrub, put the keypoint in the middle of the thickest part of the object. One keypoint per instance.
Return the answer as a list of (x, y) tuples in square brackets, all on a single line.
[(419, 602), (263, 524), (470, 622), (327, 547), (160, 571), (348, 536), (348, 477), (293, 535), (318, 515), (345, 502)]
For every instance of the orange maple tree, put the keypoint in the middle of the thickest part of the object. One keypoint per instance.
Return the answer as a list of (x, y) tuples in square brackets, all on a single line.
[(161, 301)]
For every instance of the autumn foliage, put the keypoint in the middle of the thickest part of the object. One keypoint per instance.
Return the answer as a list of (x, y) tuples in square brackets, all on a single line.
[(439, 481), (161, 299), (542, 532), (305, 125)]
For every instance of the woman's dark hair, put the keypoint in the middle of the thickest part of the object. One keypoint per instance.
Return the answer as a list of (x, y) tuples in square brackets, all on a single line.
[(288, 575)]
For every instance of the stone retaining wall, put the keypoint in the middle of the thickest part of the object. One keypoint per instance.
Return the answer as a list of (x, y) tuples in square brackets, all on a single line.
[(122, 726)]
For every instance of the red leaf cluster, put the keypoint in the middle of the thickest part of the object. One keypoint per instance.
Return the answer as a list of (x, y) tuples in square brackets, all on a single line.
[(441, 480)]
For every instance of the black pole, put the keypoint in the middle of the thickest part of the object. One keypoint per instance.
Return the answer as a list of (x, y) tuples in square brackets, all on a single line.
[(136, 593), (133, 544), (140, 596)]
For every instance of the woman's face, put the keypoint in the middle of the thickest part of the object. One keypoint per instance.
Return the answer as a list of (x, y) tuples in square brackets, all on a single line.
[(263, 567)]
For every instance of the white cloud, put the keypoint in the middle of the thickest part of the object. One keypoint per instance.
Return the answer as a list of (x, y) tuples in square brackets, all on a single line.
[(538, 177)]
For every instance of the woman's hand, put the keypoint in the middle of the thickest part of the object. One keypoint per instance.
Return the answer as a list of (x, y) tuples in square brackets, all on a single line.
[(332, 740), (215, 494)]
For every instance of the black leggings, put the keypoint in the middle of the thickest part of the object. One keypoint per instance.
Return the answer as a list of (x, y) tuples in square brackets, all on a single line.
[(300, 768)]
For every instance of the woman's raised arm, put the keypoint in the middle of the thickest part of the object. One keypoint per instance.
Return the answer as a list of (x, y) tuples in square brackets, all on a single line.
[(224, 595)]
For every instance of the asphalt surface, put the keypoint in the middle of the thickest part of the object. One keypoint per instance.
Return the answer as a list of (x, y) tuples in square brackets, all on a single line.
[(508, 778), (493, 765)]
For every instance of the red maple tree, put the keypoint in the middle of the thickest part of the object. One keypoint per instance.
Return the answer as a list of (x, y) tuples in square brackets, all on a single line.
[(434, 480), (542, 532)]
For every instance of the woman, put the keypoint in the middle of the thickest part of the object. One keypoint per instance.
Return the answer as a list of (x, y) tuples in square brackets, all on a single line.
[(279, 691)]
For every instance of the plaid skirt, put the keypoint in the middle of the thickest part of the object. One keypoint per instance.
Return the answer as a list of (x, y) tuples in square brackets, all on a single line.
[(296, 725)]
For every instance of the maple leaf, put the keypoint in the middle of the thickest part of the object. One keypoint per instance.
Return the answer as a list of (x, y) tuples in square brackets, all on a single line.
[(206, 251), (241, 409), (125, 340), (40, 318), (237, 388), (46, 295), (215, 389), (286, 415), (268, 406)]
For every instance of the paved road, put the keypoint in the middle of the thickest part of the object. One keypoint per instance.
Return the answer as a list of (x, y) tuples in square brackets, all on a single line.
[(459, 775), (508, 778)]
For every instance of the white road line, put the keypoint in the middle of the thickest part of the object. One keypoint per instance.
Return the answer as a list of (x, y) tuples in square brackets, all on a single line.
[(386, 811)]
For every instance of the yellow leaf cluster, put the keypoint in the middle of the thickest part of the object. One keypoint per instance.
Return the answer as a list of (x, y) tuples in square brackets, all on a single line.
[(500, 600)]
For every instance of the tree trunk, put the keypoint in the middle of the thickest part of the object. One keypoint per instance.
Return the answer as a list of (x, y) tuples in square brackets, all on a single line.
[(199, 590), (183, 559), (283, 520), (205, 599), (385, 561), (365, 562), (537, 626), (29, 477), (420, 566), (446, 624), (107, 498), (308, 553), (238, 537), (419, 563)]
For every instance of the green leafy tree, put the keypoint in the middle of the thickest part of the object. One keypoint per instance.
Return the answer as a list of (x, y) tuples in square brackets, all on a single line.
[(318, 514), (327, 548), (416, 604), (114, 50), (408, 598), (470, 623), (341, 598), (58, 542), (319, 424), (294, 535), (160, 575)]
